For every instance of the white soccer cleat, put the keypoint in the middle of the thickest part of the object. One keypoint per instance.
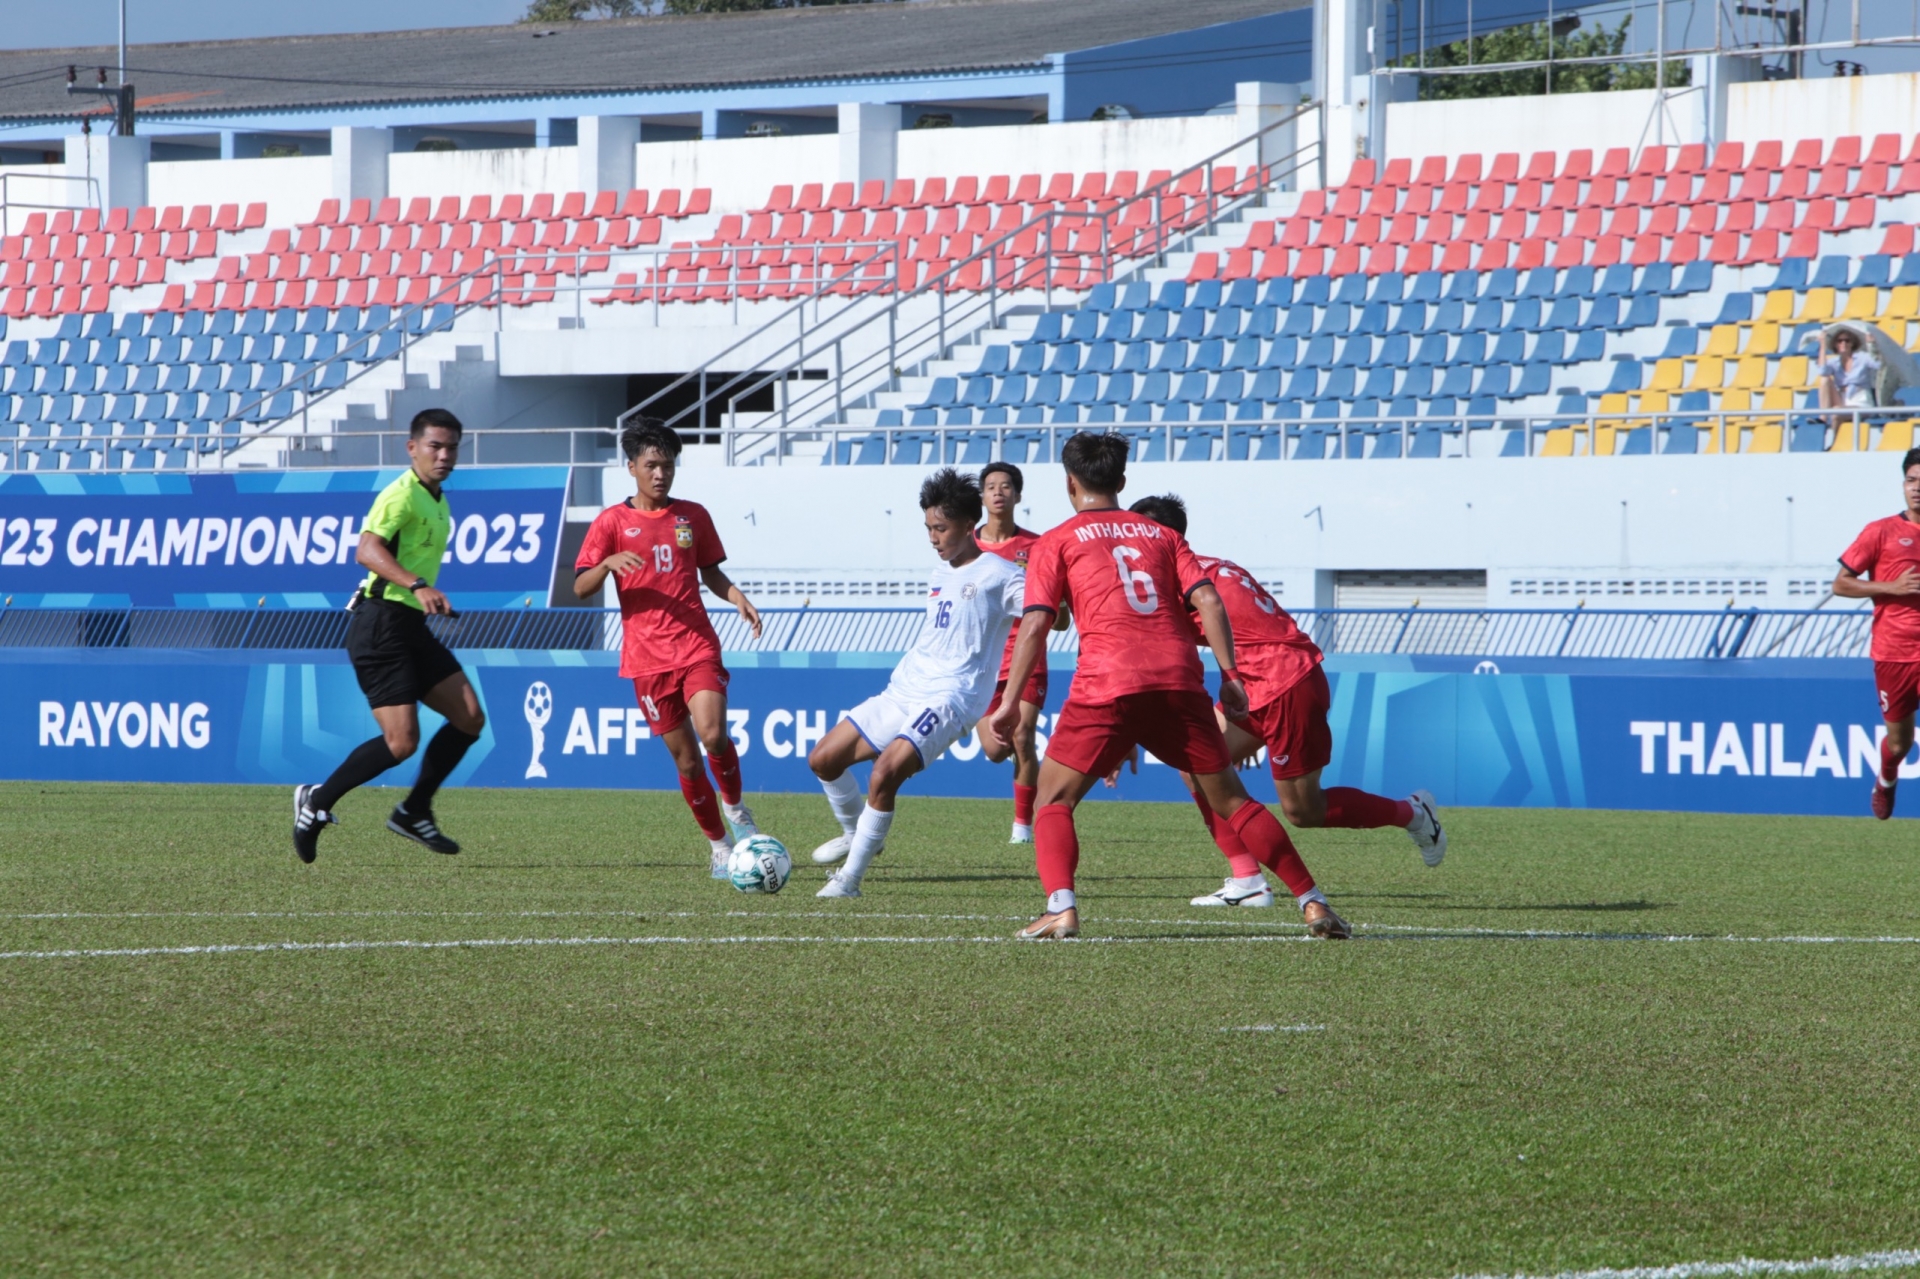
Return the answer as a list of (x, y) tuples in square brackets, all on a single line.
[(1231, 894), (833, 850), (839, 886), (1021, 834), (717, 864), (1426, 832), (740, 817)]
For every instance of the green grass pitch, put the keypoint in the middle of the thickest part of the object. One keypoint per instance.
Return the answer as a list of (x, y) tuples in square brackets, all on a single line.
[(1503, 1073)]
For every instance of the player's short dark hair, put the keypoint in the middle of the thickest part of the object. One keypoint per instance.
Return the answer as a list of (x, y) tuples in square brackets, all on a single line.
[(643, 433), (426, 419), (956, 495), (1007, 469), (1166, 508), (1911, 460), (1097, 459)]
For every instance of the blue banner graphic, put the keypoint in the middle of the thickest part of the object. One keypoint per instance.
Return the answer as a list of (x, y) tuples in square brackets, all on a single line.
[(1758, 738), (223, 541)]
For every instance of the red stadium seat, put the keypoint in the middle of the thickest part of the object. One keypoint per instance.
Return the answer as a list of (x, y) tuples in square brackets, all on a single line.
[(667, 204), (1898, 241), (1729, 157)]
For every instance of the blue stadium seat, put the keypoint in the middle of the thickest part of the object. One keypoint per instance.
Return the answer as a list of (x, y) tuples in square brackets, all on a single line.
[(993, 359), (1173, 296), (1535, 379), (1118, 327), (1909, 272), (1350, 290), (1244, 294), (1196, 443), (1137, 296), (1806, 433), (1682, 340), (1388, 286), (943, 393), (1048, 329), (1464, 286), (1875, 271), (1083, 326), (910, 447), (1101, 298), (1831, 272), (968, 448), (1097, 357), (1205, 294), (1695, 277), (1578, 282), (1278, 293), (1315, 290), (1792, 274), (1426, 287)]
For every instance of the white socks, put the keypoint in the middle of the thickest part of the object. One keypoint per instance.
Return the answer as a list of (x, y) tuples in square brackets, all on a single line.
[(869, 835), (1058, 900), (846, 798), (1311, 895), (1250, 884)]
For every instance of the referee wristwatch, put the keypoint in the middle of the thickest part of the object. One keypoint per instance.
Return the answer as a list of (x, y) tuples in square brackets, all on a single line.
[(417, 583)]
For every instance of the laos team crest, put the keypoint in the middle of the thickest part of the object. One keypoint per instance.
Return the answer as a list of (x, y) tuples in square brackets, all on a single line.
[(683, 532)]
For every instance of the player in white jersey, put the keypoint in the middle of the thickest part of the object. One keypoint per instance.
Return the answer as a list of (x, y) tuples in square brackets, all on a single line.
[(938, 692)]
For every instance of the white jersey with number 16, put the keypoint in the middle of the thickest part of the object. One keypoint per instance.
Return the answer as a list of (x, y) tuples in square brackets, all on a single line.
[(956, 656)]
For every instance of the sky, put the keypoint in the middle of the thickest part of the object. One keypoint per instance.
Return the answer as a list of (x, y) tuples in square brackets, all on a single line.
[(40, 24)]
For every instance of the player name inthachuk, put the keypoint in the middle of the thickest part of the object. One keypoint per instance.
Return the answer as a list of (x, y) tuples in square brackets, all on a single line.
[(1104, 529)]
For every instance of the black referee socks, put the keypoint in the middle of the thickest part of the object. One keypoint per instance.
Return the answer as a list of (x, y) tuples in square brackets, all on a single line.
[(368, 760), (443, 755)]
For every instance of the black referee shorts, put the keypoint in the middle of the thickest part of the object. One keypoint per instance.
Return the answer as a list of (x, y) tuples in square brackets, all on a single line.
[(395, 657)]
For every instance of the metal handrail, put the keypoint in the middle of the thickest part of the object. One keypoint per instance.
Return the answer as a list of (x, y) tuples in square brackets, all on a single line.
[(1571, 633), (982, 265), (1231, 436), (1217, 439)]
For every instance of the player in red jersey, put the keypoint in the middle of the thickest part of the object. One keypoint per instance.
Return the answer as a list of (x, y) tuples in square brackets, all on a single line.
[(1000, 487), (659, 550), (1883, 565), (1288, 697), (1138, 681)]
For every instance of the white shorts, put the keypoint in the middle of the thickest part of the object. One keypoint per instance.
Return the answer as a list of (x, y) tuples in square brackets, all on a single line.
[(931, 724)]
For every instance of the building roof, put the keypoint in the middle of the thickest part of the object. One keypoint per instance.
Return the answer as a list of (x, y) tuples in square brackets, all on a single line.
[(836, 42)]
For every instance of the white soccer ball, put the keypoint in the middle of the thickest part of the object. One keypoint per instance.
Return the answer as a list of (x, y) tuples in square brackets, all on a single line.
[(759, 864)]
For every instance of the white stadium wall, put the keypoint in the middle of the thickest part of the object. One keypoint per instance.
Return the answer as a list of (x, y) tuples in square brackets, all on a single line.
[(292, 187), (1559, 122), (1173, 142), (1778, 521), (468, 173)]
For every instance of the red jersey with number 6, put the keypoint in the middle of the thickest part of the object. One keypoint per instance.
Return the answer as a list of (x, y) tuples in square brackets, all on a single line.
[(1273, 652), (1015, 550), (661, 613), (1127, 580), (1884, 550)]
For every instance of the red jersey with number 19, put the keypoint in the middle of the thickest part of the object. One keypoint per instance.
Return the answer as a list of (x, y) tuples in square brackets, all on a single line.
[(663, 619), (1127, 580), (1884, 550), (1273, 652), (1015, 550)]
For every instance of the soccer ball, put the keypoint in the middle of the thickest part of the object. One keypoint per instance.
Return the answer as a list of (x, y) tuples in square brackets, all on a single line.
[(759, 864)]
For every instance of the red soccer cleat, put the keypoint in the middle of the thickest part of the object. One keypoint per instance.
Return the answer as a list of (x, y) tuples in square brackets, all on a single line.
[(1882, 801)]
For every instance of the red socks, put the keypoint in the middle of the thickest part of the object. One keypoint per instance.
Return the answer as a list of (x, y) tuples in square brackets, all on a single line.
[(1239, 860), (1056, 847), (1023, 803), (1264, 837), (1889, 764), (698, 792), (1352, 809), (726, 771)]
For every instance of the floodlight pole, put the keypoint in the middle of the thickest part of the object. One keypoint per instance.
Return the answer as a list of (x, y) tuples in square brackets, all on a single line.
[(123, 41)]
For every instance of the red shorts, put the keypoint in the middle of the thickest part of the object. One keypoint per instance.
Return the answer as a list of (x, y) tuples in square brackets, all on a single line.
[(1035, 693), (1899, 685), (663, 695), (1294, 727), (1177, 725)]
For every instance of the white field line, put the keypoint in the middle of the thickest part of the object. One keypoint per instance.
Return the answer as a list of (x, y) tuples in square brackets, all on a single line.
[(1383, 932), (1301, 1029), (1857, 1263), (483, 943)]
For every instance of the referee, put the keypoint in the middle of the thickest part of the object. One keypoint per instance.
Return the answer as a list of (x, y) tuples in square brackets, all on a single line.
[(395, 657)]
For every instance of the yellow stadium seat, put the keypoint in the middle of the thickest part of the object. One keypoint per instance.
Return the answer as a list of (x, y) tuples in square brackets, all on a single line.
[(1751, 373), (1764, 340), (1896, 437), (1904, 301), (1613, 405), (1778, 308), (1793, 373), (1862, 304), (1709, 373), (1667, 375), (1761, 437), (1559, 443), (1603, 439), (1818, 306), (1724, 340)]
